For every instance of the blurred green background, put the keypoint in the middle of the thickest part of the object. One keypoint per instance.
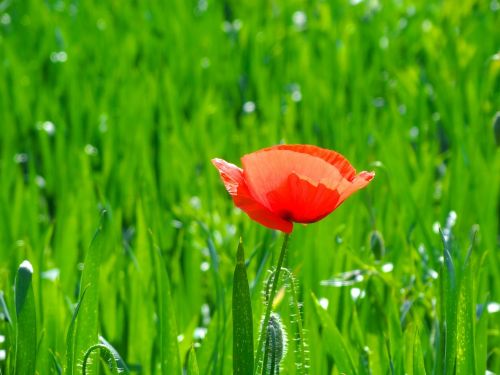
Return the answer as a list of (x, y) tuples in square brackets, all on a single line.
[(122, 104)]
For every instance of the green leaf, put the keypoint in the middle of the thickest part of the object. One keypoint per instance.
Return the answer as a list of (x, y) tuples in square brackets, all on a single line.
[(450, 301), (169, 350), (70, 337), (26, 341), (122, 366), (418, 357), (333, 340), (87, 321), (192, 368), (465, 323), (105, 353), (242, 318)]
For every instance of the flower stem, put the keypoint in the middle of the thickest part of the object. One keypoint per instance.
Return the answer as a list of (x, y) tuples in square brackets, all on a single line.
[(265, 322)]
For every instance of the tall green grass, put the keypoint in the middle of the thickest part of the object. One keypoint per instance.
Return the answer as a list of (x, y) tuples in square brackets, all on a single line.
[(119, 106)]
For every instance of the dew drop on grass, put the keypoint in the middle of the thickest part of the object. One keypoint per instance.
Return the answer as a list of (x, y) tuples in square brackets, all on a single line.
[(433, 274), (90, 150), (296, 96), (47, 126), (493, 307), (384, 42), (199, 333), (426, 26), (195, 202), (21, 158), (5, 19), (357, 293), (103, 123), (403, 22), (40, 182), (299, 20), (379, 102), (249, 107), (59, 57), (51, 275), (388, 267), (436, 227), (205, 314), (324, 303), (177, 224), (3, 355), (202, 6), (101, 24), (2, 339), (205, 63), (204, 266), (414, 133)]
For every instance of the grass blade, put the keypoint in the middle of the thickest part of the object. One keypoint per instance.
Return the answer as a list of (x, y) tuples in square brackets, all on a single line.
[(334, 342), (169, 351), (26, 342), (466, 363), (70, 337), (192, 368), (242, 318), (87, 321)]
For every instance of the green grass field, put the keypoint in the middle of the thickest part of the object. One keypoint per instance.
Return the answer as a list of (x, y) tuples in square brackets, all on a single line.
[(110, 112)]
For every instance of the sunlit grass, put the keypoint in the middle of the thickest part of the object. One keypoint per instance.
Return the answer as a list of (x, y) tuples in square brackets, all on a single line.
[(120, 107)]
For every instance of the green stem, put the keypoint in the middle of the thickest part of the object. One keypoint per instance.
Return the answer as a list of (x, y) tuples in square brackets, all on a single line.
[(263, 331)]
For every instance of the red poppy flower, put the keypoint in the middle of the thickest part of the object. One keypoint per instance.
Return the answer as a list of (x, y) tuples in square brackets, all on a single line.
[(284, 184)]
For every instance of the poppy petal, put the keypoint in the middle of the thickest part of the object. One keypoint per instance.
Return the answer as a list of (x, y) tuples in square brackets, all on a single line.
[(267, 170), (233, 179), (331, 157), (359, 182), (302, 201)]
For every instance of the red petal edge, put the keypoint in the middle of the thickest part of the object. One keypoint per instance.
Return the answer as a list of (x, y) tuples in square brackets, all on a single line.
[(235, 184), (332, 157)]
